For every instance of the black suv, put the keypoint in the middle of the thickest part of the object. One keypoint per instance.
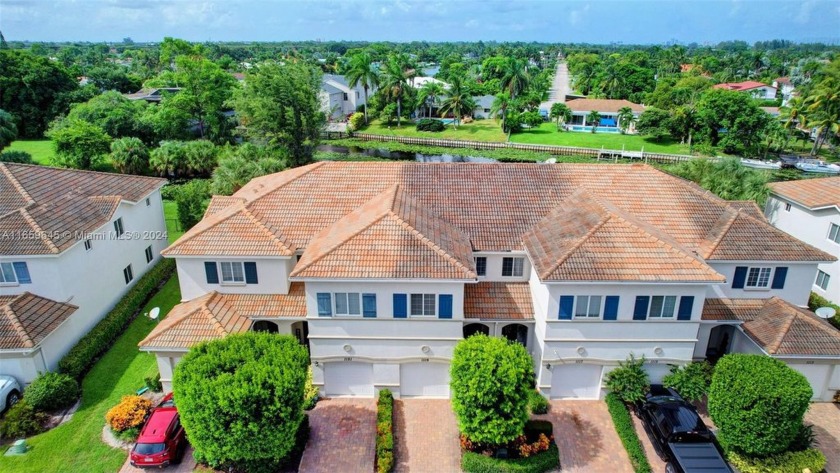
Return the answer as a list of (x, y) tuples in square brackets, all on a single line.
[(678, 433)]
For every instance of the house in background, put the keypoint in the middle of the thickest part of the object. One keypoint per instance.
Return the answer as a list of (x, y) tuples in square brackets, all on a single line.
[(755, 89), (809, 209), (154, 95), (607, 108), (786, 87), (72, 243), (483, 105), (338, 98), (582, 264)]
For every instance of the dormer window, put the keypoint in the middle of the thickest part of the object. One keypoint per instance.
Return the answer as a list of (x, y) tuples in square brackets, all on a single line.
[(512, 267)]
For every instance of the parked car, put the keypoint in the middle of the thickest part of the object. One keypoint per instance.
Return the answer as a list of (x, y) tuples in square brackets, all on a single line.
[(678, 434), (162, 440), (9, 392)]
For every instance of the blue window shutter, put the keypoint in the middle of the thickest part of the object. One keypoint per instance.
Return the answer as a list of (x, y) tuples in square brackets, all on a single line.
[(611, 308), (567, 303), (22, 272), (251, 273), (445, 309), (740, 277), (369, 305), (641, 309), (324, 304), (212, 272), (400, 306), (686, 304), (779, 278)]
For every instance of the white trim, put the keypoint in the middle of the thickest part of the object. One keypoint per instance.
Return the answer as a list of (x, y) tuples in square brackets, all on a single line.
[(217, 257), (379, 337), (622, 340), (394, 280)]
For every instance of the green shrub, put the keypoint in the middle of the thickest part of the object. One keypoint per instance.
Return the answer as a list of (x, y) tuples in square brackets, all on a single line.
[(430, 124), (548, 460), (87, 350), (627, 433), (789, 462), (51, 391), (495, 412), (757, 403), (538, 402), (22, 420), (385, 432), (192, 199), (629, 381), (153, 383), (357, 121), (691, 381), (14, 156), (128, 435), (310, 392)]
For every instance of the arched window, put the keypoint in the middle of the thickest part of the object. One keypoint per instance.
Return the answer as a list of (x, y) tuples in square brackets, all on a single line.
[(472, 329), (265, 326), (516, 333)]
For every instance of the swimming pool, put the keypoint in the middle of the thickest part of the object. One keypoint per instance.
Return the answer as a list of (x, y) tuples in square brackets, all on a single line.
[(600, 129), (447, 121)]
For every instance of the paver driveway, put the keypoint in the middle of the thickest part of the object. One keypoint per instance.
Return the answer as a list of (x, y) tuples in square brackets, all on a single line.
[(825, 418), (187, 465), (342, 437), (586, 437), (426, 437)]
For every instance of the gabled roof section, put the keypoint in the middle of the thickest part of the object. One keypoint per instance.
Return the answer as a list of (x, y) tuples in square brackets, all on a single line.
[(603, 105), (26, 319), (391, 236), (586, 239), (818, 193)]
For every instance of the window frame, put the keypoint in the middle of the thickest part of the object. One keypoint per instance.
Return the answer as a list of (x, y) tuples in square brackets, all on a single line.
[(825, 280), (348, 304), (3, 279), (513, 263), (768, 270), (588, 312), (232, 282), (426, 299), (833, 227), (662, 306), (787, 206), (128, 274), (148, 202), (150, 256), (479, 272), (119, 228), (88, 245)]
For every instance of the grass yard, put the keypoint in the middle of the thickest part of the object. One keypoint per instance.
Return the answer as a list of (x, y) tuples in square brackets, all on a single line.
[(42, 151), (479, 130), (547, 134), (173, 226)]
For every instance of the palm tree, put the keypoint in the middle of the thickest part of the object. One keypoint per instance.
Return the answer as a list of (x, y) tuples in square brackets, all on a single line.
[(515, 76), (500, 106), (394, 80), (361, 71), (560, 111), (824, 111), (429, 94), (593, 118), (625, 119), (792, 116), (459, 102)]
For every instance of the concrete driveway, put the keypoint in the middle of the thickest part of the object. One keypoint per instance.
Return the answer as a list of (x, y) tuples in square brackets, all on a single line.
[(342, 437), (426, 437)]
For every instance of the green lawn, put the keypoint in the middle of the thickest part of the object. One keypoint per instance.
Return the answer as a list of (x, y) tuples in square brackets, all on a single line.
[(173, 226), (42, 151), (479, 130), (547, 134)]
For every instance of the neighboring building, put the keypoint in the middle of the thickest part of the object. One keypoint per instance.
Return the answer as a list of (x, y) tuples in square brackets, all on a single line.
[(381, 268), (755, 89), (338, 98), (607, 108), (419, 81), (483, 105), (772, 111), (786, 87), (809, 209), (72, 243), (152, 95)]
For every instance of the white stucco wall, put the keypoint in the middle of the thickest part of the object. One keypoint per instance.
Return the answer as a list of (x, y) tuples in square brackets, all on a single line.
[(798, 282), (494, 266), (384, 295), (272, 277)]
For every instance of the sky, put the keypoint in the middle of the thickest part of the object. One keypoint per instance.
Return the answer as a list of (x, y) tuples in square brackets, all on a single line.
[(553, 21)]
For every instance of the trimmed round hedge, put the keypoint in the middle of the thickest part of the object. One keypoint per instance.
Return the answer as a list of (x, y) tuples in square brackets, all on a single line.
[(52, 391), (758, 404)]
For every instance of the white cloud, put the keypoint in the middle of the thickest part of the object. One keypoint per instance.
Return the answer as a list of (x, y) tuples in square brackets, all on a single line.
[(577, 16)]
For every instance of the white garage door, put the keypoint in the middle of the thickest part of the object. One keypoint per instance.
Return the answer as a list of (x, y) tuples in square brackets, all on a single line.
[(818, 377), (578, 381), (424, 379), (348, 379)]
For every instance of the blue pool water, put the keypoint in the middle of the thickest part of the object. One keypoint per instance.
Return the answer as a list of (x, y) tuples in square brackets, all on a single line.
[(447, 121), (601, 129)]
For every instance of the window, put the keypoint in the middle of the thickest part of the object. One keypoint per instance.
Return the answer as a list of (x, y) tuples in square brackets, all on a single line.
[(822, 280), (345, 96), (481, 265), (148, 202), (423, 304), (14, 273), (118, 227), (758, 277), (232, 272), (347, 303), (88, 245), (787, 206), (662, 306), (588, 306), (357, 94), (512, 267), (149, 255), (128, 274), (834, 233), (7, 273)]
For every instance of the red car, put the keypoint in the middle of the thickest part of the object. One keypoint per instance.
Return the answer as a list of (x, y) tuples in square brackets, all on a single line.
[(162, 440)]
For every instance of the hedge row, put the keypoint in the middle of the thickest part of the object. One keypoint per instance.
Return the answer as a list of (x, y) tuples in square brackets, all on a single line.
[(548, 460), (627, 433), (385, 432), (788, 462), (84, 354)]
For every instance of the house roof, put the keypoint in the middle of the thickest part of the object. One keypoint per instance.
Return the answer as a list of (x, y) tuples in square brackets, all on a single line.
[(216, 315), (603, 105), (779, 327), (54, 208), (26, 319), (741, 86), (151, 94), (815, 194), (498, 301), (389, 237), (782, 80)]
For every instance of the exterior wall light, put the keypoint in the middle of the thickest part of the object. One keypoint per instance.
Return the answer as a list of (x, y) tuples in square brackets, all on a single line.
[(426, 349), (348, 348), (659, 351), (581, 351)]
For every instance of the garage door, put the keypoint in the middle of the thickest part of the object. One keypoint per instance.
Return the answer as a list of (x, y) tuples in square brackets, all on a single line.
[(818, 377), (578, 381), (348, 379), (424, 379)]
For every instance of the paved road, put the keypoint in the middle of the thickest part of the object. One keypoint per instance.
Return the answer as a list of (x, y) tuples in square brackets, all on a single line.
[(560, 87)]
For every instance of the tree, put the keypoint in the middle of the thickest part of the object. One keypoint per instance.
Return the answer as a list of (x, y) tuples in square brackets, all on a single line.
[(593, 118), (192, 199), (731, 120), (169, 159), (625, 119), (114, 77), (629, 381), (726, 178), (500, 108), (241, 399), (115, 114), (654, 123), (279, 105), (130, 156), (491, 380), (395, 80), (458, 102), (560, 112), (758, 403), (691, 381), (202, 156), (238, 165), (824, 106), (8, 129), (429, 94), (80, 145), (515, 76), (360, 70), (13, 156)]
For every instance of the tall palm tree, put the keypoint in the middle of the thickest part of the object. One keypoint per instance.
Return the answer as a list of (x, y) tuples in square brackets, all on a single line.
[(500, 107), (515, 76), (360, 70), (792, 116), (593, 118), (429, 94), (560, 111), (458, 102), (824, 111), (395, 79), (625, 119)]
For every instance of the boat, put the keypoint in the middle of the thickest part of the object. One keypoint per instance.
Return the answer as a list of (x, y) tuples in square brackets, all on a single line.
[(759, 164), (818, 166)]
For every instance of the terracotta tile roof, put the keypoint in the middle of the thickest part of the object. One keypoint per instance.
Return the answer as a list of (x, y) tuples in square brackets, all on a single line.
[(586, 239), (215, 315), (26, 319), (221, 202), (498, 301), (779, 327), (812, 193), (741, 86), (389, 237), (603, 105), (57, 207)]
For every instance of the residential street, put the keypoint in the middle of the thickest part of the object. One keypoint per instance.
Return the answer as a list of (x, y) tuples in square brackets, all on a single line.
[(560, 87)]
